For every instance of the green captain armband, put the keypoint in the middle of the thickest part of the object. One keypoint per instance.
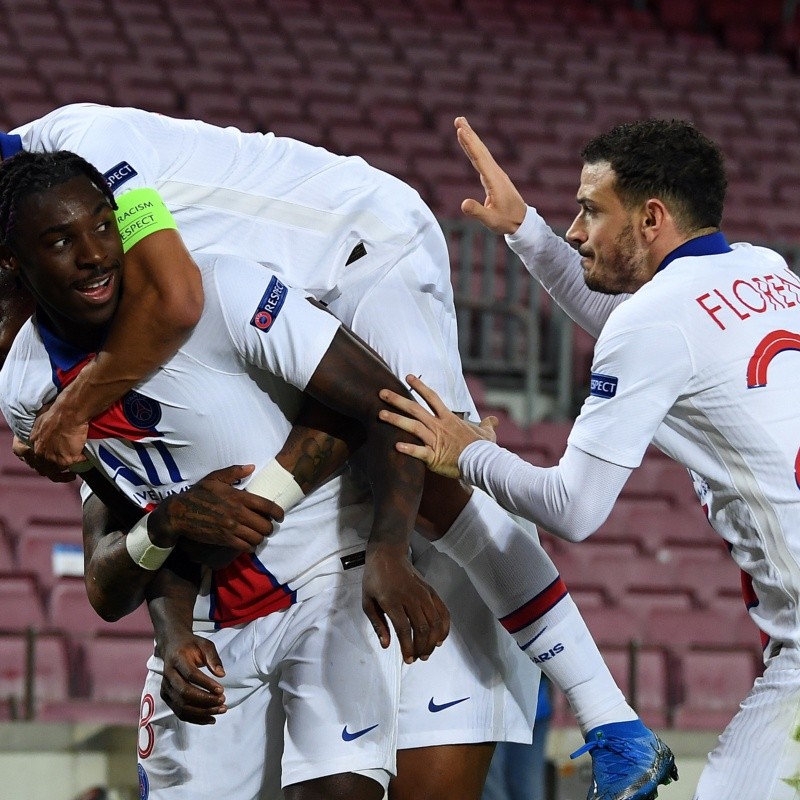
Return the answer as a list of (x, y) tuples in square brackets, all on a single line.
[(141, 212)]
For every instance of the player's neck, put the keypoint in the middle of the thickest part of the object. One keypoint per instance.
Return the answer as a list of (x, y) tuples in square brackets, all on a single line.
[(84, 338)]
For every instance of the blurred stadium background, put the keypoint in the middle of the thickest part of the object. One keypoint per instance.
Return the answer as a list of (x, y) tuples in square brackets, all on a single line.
[(382, 80)]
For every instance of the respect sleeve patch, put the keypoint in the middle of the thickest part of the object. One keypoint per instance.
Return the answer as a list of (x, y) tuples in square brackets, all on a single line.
[(141, 212), (603, 385), (119, 174), (270, 305)]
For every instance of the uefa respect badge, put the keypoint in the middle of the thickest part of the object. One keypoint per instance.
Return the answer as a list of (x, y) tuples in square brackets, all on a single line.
[(603, 385), (270, 305)]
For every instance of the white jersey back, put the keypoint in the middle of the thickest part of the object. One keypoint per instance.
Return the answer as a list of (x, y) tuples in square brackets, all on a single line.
[(704, 361), (223, 399), (298, 209)]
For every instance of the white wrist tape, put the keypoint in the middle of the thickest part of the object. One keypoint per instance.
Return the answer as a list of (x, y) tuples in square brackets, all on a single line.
[(276, 484), (142, 550)]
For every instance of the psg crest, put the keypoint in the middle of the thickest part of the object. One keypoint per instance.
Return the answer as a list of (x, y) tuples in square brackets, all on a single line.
[(142, 412), (144, 783)]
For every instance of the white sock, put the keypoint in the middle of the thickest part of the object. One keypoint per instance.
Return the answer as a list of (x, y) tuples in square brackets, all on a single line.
[(521, 585)]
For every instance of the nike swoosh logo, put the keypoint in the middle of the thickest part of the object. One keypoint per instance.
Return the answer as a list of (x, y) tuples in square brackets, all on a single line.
[(528, 644), (435, 707), (348, 737)]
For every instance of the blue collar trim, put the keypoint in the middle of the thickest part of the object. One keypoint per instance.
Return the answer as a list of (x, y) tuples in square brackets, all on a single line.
[(10, 144), (62, 354), (712, 244)]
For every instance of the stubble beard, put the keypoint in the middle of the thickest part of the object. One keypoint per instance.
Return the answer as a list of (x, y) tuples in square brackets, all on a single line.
[(625, 261)]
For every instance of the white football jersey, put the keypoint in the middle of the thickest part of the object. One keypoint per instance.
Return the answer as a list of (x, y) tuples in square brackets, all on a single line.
[(255, 348), (703, 360), (298, 209)]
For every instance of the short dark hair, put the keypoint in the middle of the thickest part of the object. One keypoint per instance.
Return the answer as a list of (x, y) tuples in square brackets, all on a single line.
[(25, 173), (668, 159)]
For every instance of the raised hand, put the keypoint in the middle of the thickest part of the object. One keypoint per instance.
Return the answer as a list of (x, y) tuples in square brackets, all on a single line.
[(503, 209), (444, 435)]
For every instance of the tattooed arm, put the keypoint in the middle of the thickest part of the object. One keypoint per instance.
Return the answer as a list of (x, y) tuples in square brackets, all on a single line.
[(212, 512), (320, 441)]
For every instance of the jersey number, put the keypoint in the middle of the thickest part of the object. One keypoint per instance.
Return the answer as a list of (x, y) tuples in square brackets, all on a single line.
[(770, 346), (147, 736)]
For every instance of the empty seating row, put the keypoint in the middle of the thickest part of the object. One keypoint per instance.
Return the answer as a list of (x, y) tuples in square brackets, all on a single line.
[(698, 689), (39, 670), (67, 608), (356, 92)]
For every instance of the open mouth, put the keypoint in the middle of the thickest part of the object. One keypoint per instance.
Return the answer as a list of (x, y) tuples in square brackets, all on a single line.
[(99, 289)]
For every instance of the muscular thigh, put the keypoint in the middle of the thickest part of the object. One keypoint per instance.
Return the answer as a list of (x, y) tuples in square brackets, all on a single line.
[(310, 696), (445, 772), (346, 786), (478, 686)]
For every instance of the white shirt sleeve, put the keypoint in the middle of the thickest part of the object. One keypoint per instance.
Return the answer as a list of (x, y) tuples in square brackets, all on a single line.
[(272, 326), (106, 138), (642, 370), (571, 500), (26, 382), (557, 266)]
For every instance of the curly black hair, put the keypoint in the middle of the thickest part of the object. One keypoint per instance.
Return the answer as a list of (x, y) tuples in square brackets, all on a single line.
[(668, 159), (25, 173)]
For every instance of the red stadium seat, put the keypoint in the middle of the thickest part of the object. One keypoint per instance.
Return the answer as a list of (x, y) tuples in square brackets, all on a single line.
[(89, 711), (714, 683), (49, 670), (7, 561), (643, 676), (612, 625), (711, 627), (117, 667), (69, 610), (22, 602), (30, 500), (41, 544), (661, 477)]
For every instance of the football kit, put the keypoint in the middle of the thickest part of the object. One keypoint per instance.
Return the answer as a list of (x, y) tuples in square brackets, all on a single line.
[(701, 361), (364, 243), (156, 441)]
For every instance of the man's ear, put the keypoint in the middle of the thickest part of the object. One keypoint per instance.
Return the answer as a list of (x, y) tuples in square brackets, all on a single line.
[(8, 263), (655, 216)]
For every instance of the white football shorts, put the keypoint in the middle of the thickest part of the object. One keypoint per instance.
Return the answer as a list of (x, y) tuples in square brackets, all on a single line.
[(310, 692), (479, 686)]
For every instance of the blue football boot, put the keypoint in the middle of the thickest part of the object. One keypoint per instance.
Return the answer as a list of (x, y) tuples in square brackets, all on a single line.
[(629, 762)]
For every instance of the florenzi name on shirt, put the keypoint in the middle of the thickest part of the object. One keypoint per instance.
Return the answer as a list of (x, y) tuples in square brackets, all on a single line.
[(747, 298)]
